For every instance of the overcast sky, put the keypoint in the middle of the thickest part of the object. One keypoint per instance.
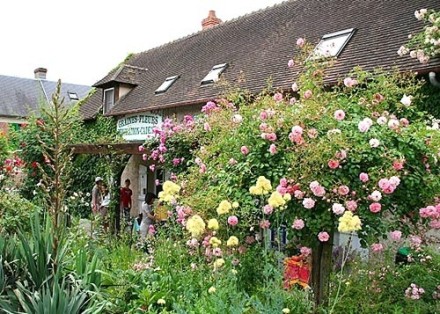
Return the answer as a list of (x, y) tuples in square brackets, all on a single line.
[(79, 41)]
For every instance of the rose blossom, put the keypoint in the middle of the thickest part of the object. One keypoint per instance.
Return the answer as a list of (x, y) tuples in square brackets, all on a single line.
[(363, 126), (297, 130), (377, 247), (349, 82), (300, 42), (333, 164), (295, 87), (398, 165), (298, 194), (312, 133), (375, 196), (237, 118), (396, 235), (308, 94), (292, 101), (232, 220), (323, 236), (141, 148), (338, 209), (264, 224), (406, 100), (435, 224), (308, 203), (374, 142), (278, 97), (415, 241), (267, 209), (363, 177), (291, 63), (382, 120), (375, 207), (232, 161), (341, 154), (351, 205), (339, 115), (305, 251), (273, 149), (298, 224), (202, 168), (244, 150), (393, 124), (343, 190)]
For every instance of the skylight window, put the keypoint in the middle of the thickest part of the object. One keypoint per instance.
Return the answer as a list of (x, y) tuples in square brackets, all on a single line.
[(214, 74), (166, 84), (331, 45), (73, 96)]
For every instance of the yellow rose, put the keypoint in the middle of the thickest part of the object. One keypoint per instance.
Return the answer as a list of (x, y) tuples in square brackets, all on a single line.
[(264, 184), (219, 263), (224, 207), (287, 197), (211, 290), (235, 205), (195, 225), (215, 242), (254, 190), (213, 224), (232, 241), (276, 200)]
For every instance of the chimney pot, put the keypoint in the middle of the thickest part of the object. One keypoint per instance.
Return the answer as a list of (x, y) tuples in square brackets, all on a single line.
[(40, 73), (211, 21)]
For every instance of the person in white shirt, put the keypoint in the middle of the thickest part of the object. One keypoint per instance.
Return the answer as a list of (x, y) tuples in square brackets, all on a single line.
[(147, 214)]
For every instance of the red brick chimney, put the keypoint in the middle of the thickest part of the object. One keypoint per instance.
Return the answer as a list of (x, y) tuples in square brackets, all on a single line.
[(211, 20)]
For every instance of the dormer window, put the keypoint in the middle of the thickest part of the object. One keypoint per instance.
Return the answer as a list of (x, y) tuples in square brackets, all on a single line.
[(214, 74), (166, 84), (109, 99), (72, 96), (331, 45)]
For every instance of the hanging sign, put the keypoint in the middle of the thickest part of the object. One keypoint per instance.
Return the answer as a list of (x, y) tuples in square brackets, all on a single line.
[(138, 127)]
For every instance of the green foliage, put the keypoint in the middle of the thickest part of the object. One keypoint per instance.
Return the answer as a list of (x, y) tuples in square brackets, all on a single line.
[(15, 212), (378, 285), (430, 100), (37, 273)]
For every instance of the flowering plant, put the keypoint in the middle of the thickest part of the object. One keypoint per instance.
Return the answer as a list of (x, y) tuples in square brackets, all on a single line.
[(425, 44)]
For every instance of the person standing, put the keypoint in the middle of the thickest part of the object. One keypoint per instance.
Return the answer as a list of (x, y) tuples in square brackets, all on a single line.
[(126, 194), (96, 195), (147, 214)]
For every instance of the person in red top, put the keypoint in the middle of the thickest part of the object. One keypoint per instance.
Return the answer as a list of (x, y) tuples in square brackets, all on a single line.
[(126, 194)]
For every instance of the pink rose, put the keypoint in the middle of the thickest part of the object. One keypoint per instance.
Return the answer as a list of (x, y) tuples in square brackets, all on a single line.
[(351, 205), (305, 251), (297, 130), (283, 182), (323, 236), (152, 167), (308, 203), (333, 164), (376, 196), (398, 165), (144, 157), (396, 235), (377, 247), (267, 209), (338, 209), (404, 122), (318, 191), (206, 127), (343, 190), (176, 161), (232, 220), (415, 241), (375, 207), (349, 82), (202, 168), (263, 115), (271, 137), (308, 94), (298, 194), (141, 148), (273, 149), (384, 183), (364, 177), (300, 42), (244, 150), (292, 101), (264, 224), (278, 97), (363, 126), (298, 224), (341, 155), (435, 224), (339, 115), (291, 63)]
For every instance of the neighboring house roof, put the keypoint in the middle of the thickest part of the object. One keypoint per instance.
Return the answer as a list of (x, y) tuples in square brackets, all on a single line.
[(257, 47), (20, 97)]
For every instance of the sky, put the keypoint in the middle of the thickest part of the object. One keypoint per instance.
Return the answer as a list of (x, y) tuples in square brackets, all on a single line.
[(80, 41)]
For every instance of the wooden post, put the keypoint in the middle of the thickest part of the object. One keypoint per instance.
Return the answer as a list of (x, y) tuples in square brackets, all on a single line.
[(321, 269)]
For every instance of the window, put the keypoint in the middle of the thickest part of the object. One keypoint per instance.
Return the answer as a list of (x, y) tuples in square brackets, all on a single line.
[(73, 96), (166, 84), (214, 74), (331, 45), (109, 99)]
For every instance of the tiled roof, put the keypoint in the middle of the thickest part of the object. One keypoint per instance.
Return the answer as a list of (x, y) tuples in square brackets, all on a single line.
[(125, 73), (19, 97), (257, 46), (92, 104)]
